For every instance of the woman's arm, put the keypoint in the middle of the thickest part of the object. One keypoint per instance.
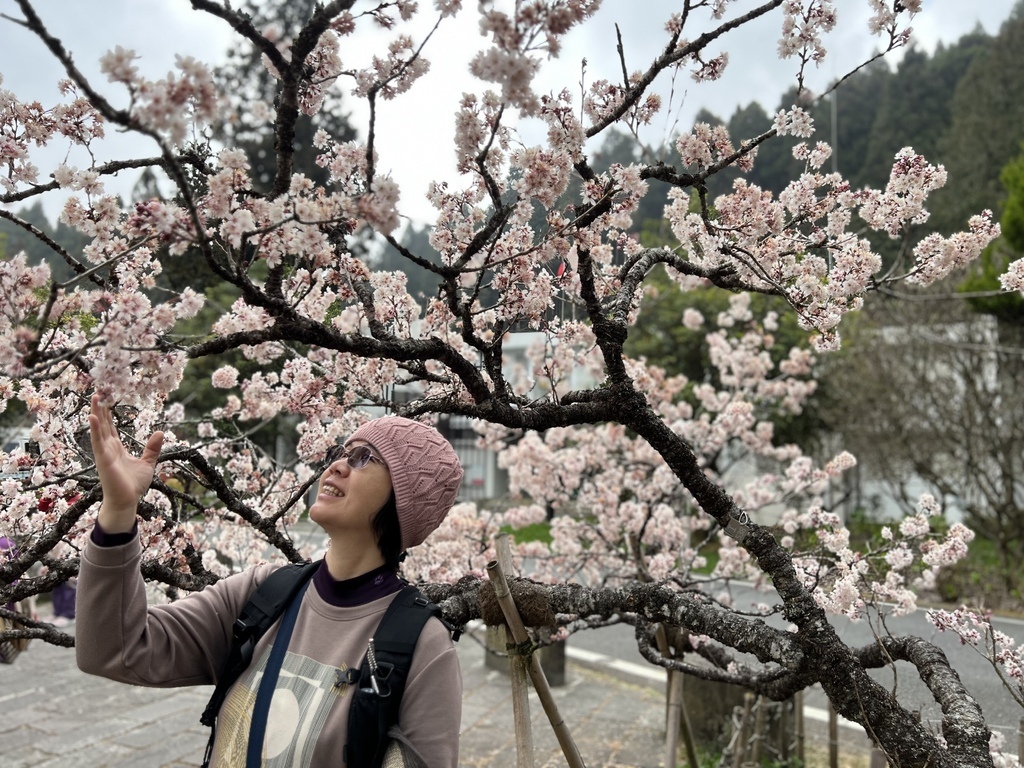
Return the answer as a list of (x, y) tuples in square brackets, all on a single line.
[(431, 711), (118, 635)]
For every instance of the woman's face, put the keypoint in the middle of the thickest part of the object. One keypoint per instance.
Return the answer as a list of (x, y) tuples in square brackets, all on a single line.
[(347, 499)]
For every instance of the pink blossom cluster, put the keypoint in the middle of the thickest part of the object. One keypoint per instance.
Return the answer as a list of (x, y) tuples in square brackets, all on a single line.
[(19, 287), (937, 256), (911, 180), (704, 145), (395, 74), (448, 7), (795, 121), (908, 561), (323, 66), (478, 125), (618, 511), (373, 201), (463, 544), (565, 131), (513, 72), (974, 628), (533, 26), (802, 29), (604, 99), (545, 174), (1013, 278), (712, 69), (24, 125), (885, 18), (171, 106), (775, 243)]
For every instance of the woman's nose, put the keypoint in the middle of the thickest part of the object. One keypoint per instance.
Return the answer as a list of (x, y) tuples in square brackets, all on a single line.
[(340, 466)]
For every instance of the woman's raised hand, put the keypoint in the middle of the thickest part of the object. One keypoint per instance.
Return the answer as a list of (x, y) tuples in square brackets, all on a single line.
[(124, 477)]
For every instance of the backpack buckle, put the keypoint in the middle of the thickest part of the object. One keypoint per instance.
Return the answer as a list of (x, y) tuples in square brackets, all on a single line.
[(242, 629)]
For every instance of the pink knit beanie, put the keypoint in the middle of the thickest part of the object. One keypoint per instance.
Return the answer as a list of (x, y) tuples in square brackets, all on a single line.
[(425, 472)]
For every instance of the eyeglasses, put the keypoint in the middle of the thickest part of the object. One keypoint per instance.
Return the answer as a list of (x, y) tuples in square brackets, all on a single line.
[(358, 456)]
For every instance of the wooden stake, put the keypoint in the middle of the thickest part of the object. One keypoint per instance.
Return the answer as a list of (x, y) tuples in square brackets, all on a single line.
[(741, 746), (675, 716), (688, 741), (833, 737), (517, 673), (678, 721), (784, 732), (800, 735), (755, 751), (540, 682)]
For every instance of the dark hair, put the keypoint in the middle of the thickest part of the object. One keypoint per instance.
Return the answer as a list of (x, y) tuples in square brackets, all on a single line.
[(388, 532)]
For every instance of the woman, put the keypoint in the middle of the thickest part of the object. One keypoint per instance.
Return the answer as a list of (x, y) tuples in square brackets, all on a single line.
[(391, 485)]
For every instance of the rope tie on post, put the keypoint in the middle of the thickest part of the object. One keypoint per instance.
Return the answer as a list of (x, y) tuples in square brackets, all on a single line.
[(524, 649)]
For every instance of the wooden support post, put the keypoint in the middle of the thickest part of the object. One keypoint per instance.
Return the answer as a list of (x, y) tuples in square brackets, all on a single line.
[(833, 737), (675, 716), (687, 730), (540, 683), (1020, 740), (518, 675), (740, 755), (784, 732), (677, 719), (759, 716), (800, 734)]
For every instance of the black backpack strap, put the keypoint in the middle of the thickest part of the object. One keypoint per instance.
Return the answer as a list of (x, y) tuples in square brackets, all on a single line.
[(382, 677), (263, 609)]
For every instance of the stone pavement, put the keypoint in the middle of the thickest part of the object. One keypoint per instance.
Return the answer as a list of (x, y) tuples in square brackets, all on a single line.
[(53, 716)]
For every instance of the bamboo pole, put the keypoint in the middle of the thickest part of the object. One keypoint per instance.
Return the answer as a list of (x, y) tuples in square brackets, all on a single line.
[(1020, 740), (540, 682), (833, 737), (675, 716), (688, 741), (740, 756), (800, 734), (678, 720), (517, 675), (784, 732), (759, 714), (504, 551)]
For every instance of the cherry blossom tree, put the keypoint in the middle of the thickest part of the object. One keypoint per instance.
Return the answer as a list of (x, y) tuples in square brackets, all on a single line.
[(629, 460)]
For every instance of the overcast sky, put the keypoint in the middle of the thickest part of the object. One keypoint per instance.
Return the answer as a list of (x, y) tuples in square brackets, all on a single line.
[(415, 130)]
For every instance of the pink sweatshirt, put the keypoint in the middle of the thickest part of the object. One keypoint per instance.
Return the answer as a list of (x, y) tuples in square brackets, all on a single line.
[(183, 643)]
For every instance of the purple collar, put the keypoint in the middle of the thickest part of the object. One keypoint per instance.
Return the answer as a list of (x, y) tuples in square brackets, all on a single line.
[(378, 583)]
